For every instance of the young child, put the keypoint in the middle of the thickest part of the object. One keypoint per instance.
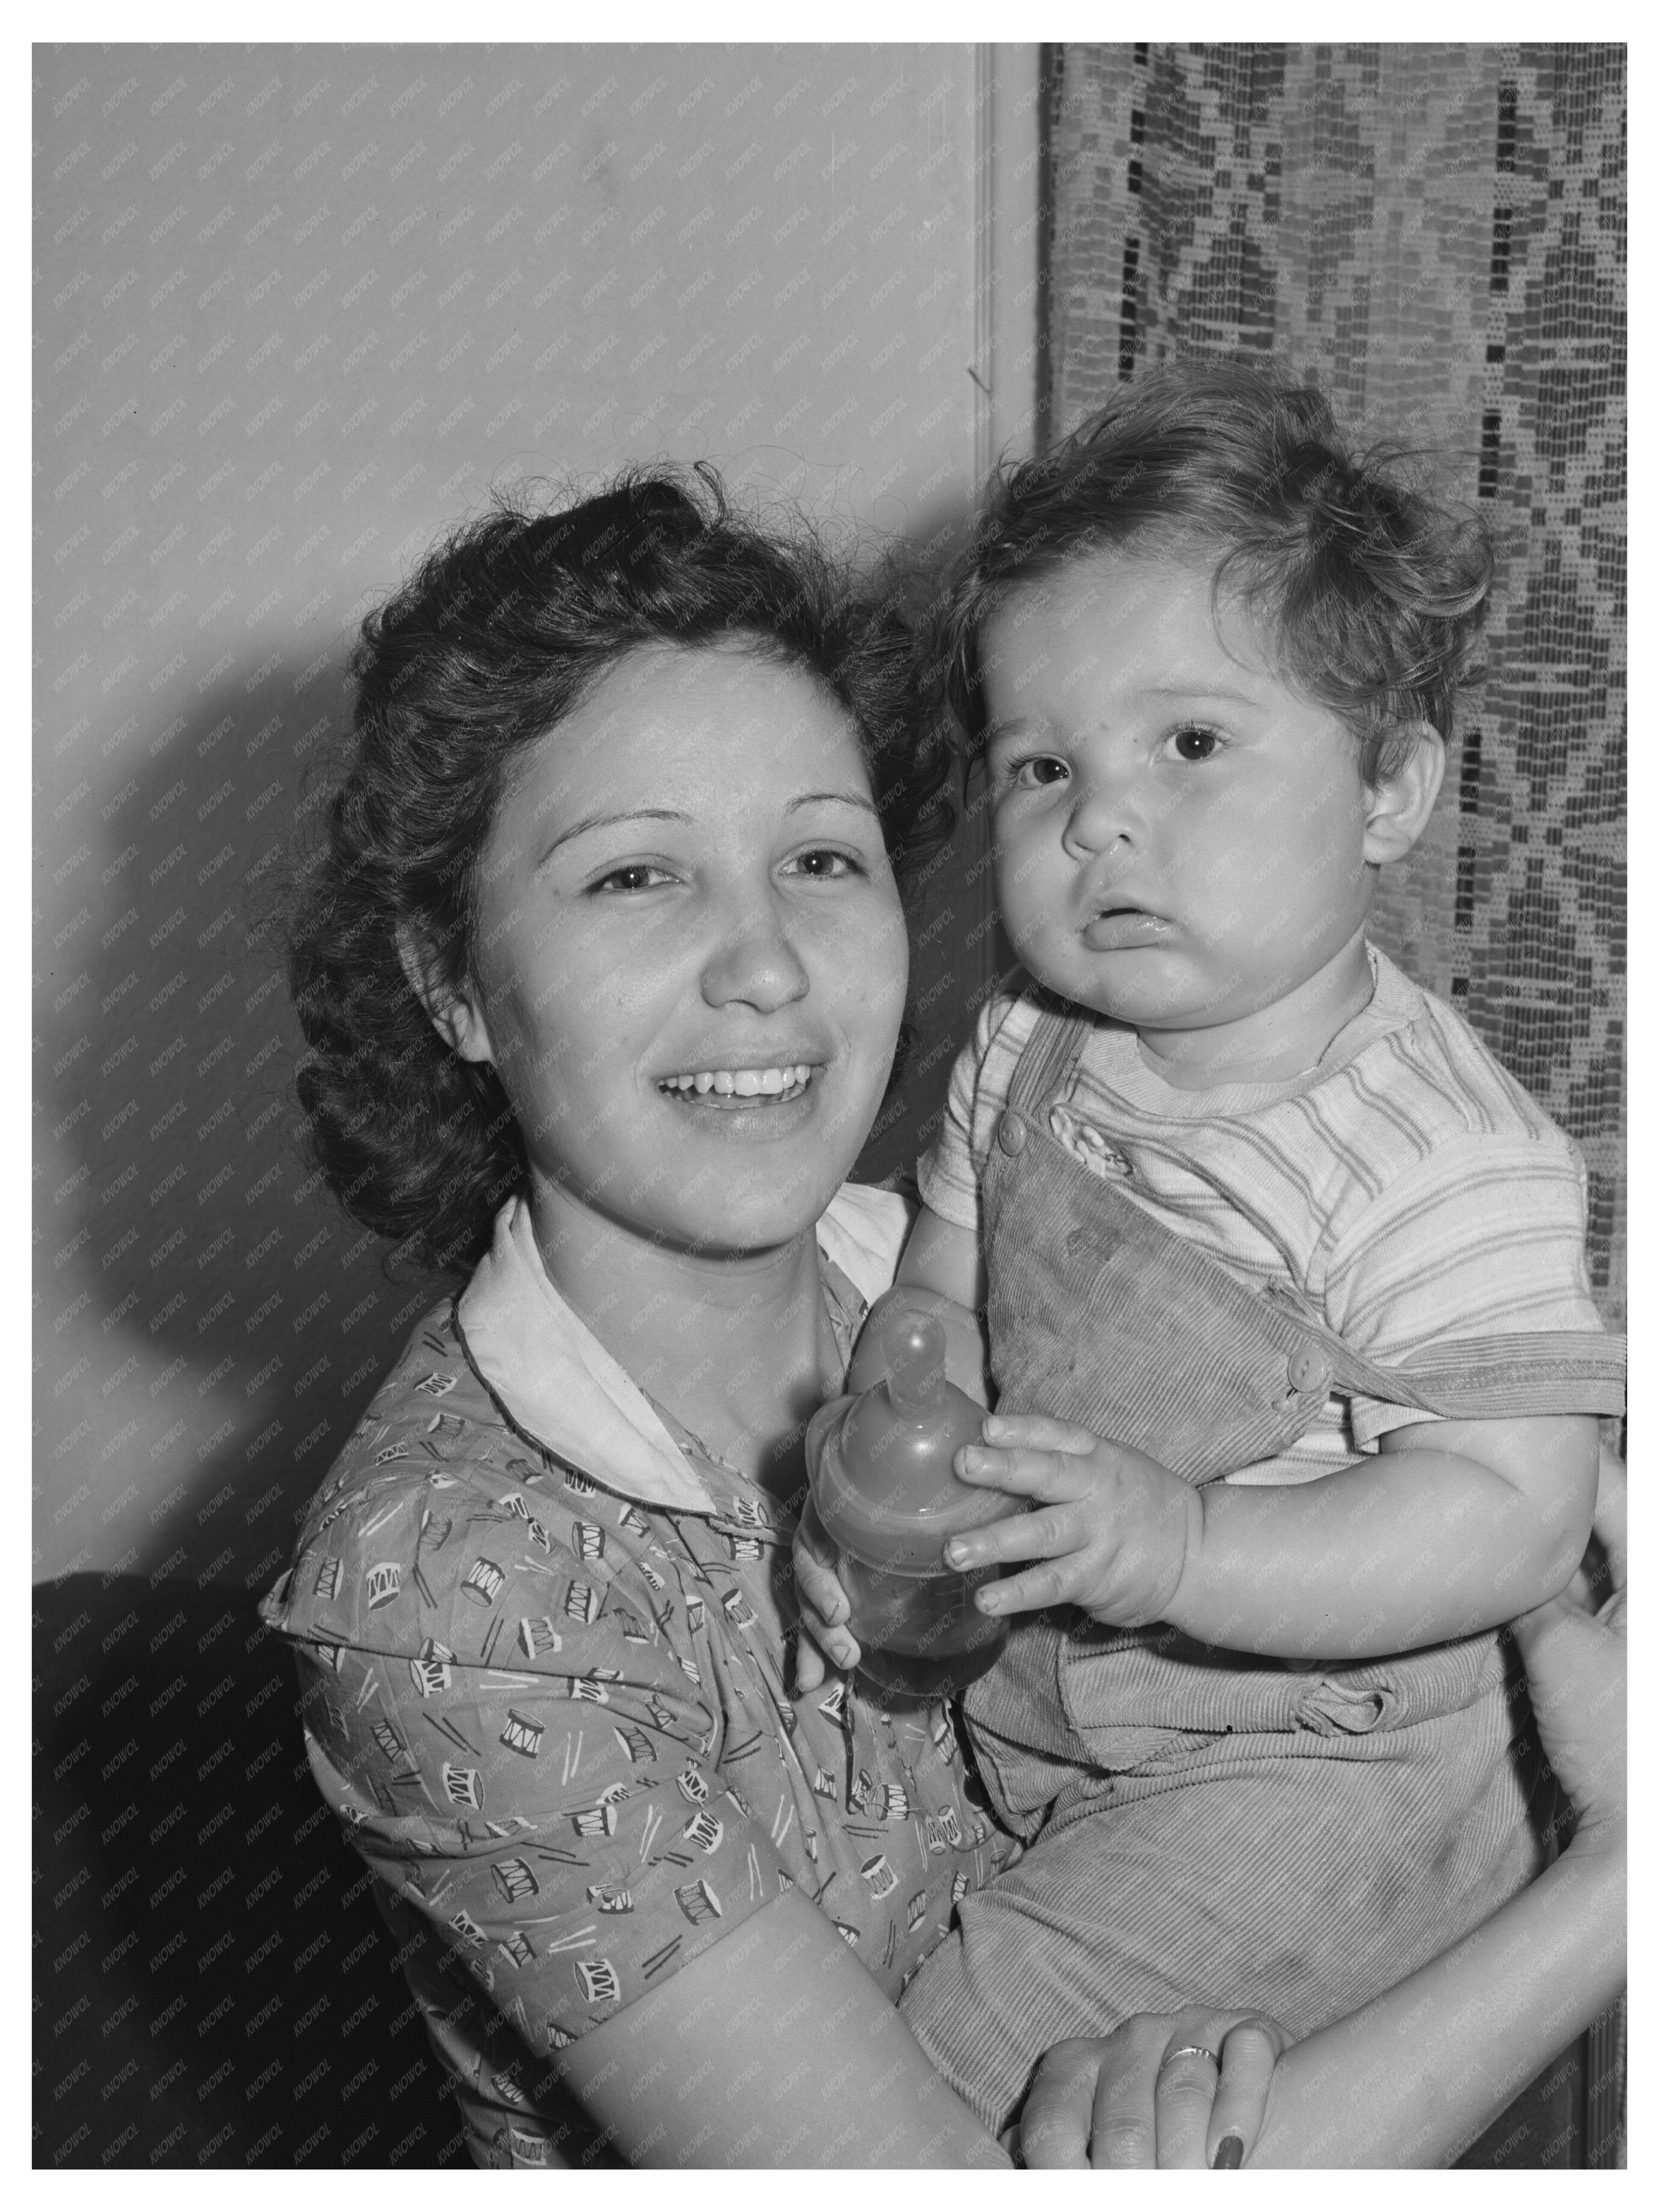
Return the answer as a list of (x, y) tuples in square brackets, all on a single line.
[(1289, 1326)]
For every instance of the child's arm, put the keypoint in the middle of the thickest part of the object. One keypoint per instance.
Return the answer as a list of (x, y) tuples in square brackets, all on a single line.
[(1452, 1527)]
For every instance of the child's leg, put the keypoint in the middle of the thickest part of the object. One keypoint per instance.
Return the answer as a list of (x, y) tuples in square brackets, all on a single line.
[(1300, 1875)]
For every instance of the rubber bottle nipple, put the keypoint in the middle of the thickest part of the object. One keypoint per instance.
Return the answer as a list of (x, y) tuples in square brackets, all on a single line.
[(913, 1344)]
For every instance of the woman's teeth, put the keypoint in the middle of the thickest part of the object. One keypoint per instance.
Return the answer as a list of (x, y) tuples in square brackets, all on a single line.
[(741, 1082)]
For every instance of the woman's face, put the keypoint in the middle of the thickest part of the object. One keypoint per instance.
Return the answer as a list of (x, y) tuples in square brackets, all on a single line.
[(691, 960)]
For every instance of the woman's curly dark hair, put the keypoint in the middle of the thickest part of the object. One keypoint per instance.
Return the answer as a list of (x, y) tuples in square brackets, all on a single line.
[(505, 628), (1372, 591)]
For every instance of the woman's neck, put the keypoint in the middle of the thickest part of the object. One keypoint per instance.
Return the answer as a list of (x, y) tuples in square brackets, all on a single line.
[(737, 1348)]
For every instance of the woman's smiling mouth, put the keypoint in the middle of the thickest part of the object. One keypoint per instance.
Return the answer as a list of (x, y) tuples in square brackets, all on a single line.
[(733, 1087)]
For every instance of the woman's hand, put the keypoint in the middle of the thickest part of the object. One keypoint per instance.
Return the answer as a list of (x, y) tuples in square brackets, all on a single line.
[(1148, 2095), (825, 1610), (1575, 1672)]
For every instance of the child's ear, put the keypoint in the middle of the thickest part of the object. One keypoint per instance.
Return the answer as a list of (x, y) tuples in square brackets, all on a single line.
[(458, 1015), (1399, 804)]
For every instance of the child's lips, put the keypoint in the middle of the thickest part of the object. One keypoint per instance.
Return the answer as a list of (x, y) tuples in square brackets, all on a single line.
[(1125, 928)]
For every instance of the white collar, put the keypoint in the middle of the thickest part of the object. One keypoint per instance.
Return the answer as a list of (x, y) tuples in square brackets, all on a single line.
[(559, 1385)]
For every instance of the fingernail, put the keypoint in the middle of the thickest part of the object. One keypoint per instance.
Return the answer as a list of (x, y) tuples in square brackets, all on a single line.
[(1228, 2154), (958, 1553)]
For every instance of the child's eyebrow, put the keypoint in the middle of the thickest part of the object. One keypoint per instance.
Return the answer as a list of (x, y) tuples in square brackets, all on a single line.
[(1197, 689)]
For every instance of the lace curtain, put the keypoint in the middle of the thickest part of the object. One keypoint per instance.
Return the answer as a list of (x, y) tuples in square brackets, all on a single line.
[(1435, 235)]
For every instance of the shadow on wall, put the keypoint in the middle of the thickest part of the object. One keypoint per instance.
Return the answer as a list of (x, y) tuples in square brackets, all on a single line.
[(213, 1983), (254, 1317)]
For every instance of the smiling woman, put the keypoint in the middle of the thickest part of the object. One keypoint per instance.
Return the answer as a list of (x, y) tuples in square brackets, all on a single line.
[(603, 967)]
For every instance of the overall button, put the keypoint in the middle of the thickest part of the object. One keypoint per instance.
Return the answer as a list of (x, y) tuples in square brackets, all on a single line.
[(1310, 1370), (1012, 1134)]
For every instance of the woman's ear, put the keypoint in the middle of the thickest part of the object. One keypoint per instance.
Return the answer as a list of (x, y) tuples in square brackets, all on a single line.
[(456, 1015), (1399, 804)]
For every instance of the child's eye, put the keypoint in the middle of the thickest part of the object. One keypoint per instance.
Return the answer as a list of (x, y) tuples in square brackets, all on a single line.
[(822, 865), (1195, 742), (636, 876), (1036, 772)]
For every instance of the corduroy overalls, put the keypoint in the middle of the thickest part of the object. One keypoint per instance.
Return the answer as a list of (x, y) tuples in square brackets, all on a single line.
[(1283, 1835)]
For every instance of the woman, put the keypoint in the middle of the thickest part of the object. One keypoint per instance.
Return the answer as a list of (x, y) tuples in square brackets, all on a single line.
[(603, 969)]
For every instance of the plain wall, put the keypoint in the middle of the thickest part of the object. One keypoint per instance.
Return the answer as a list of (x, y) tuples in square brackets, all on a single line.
[(295, 312)]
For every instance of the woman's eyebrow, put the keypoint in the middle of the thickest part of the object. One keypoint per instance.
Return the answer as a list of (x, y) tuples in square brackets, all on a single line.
[(836, 797), (610, 822)]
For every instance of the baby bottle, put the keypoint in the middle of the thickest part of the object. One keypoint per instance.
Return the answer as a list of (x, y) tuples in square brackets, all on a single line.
[(889, 1502)]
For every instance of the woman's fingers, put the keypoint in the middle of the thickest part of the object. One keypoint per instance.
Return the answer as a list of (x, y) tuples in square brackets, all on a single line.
[(810, 1669), (823, 1605), (815, 1576), (1058, 2118), (1183, 2096), (1576, 1679), (1248, 2055)]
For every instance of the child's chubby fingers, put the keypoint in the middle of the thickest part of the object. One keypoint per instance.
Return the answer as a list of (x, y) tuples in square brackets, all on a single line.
[(1039, 1432), (1042, 1535), (1054, 1581), (1041, 1472)]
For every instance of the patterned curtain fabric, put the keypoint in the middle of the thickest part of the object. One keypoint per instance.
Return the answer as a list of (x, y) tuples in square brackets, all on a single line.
[(1435, 235)]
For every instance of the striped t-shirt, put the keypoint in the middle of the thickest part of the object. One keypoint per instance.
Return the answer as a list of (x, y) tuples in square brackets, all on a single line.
[(1406, 1186)]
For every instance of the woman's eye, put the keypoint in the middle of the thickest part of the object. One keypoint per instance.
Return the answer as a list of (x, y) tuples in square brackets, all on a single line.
[(822, 865), (637, 876), (1194, 744)]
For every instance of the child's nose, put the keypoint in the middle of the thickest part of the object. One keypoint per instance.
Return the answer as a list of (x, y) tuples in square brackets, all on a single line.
[(1101, 813)]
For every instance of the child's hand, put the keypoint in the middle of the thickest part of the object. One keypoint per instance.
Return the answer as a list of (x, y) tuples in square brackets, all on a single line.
[(824, 1605), (1114, 1527)]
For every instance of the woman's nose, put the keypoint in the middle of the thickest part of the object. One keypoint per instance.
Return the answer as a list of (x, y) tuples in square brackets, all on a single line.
[(754, 963)]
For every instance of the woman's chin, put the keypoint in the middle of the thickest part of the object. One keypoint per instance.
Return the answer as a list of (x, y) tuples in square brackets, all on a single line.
[(758, 1214)]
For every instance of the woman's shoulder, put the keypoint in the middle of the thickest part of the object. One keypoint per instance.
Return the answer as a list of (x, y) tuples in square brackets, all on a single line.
[(431, 1442)]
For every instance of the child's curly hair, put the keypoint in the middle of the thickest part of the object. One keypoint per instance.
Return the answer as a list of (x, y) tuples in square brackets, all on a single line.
[(505, 628), (1371, 591)]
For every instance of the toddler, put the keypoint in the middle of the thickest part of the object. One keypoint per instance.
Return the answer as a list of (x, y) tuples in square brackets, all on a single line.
[(1289, 1326)]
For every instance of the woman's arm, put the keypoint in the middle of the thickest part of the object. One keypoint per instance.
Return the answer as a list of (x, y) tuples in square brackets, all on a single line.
[(1412, 2078), (773, 2048)]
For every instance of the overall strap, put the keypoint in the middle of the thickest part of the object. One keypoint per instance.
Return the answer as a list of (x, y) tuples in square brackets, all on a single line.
[(1515, 1375), (1050, 1060)]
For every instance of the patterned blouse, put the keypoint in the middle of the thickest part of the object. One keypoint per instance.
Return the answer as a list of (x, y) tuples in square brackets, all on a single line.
[(541, 1637)]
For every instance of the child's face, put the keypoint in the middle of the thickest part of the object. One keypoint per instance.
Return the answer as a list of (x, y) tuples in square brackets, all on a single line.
[(1180, 838), (687, 881)]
